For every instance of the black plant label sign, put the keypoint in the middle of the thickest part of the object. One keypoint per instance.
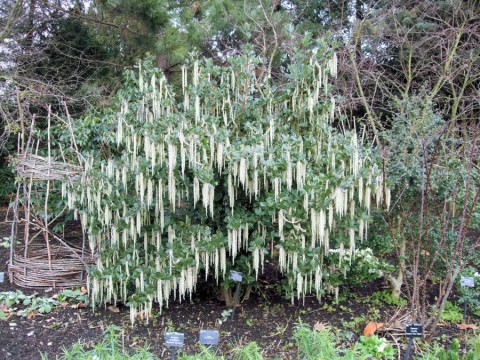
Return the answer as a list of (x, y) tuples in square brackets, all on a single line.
[(208, 337), (467, 281), (174, 339), (414, 330), (236, 276)]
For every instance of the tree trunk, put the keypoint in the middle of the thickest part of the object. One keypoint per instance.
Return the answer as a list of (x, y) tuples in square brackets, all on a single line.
[(225, 294), (397, 281)]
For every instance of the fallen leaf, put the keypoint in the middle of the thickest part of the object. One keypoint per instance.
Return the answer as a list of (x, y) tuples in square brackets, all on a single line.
[(32, 314), (80, 305), (141, 314), (113, 309), (321, 326), (64, 304), (83, 290), (467, 326), (371, 328)]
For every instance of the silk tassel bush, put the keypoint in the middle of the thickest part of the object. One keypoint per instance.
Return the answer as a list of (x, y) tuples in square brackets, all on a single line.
[(250, 169)]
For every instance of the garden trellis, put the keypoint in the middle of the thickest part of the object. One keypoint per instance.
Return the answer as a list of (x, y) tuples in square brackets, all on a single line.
[(232, 169)]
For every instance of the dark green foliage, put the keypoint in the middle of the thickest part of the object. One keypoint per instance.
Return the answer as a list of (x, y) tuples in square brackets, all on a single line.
[(7, 183)]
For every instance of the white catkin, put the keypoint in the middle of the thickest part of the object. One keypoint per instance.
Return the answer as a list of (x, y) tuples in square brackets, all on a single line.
[(282, 262), (300, 174), (231, 191), (245, 236), (256, 261), (352, 243), (299, 285), (220, 156), (255, 184), (289, 172), (326, 243), (330, 216), (277, 188), (212, 150), (321, 226), (366, 230), (295, 261), (196, 191), (206, 264), (280, 223), (339, 201), (212, 198), (149, 192), (234, 243), (360, 228), (242, 171), (387, 197), (379, 190), (206, 196), (223, 261), (360, 190), (367, 201), (184, 78), (313, 219), (305, 202)]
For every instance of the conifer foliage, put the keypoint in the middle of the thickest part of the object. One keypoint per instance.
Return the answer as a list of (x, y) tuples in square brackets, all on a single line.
[(230, 171)]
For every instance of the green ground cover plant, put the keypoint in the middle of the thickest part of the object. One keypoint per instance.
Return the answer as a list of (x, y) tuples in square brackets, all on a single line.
[(311, 345)]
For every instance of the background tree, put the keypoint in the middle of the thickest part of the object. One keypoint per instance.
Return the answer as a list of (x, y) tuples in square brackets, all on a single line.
[(416, 77)]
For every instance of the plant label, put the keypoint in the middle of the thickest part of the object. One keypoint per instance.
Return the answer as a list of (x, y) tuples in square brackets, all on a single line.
[(2, 277), (174, 339), (414, 330), (467, 281), (208, 337), (236, 276)]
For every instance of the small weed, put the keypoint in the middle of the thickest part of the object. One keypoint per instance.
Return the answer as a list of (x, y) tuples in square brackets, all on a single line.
[(109, 348), (78, 295), (355, 323), (380, 298), (373, 347), (251, 351), (329, 308), (225, 315), (452, 313), (54, 326)]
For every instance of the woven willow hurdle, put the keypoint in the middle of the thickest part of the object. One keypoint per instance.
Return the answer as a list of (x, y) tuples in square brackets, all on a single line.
[(31, 166), (45, 259)]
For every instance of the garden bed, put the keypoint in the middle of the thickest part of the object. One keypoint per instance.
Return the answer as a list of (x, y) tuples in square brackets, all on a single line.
[(266, 318)]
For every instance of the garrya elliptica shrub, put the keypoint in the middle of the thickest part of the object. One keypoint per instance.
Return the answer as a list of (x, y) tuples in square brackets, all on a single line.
[(232, 166)]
